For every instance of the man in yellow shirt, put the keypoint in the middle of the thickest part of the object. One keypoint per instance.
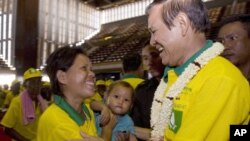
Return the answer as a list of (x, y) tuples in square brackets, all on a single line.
[(234, 34), (201, 94), (21, 119)]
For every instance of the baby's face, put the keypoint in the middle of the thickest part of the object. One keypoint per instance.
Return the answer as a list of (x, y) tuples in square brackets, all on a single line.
[(119, 100)]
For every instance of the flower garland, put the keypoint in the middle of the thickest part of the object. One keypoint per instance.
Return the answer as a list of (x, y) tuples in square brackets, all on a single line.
[(162, 104)]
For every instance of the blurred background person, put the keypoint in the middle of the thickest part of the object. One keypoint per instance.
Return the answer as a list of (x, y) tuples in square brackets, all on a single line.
[(234, 34), (144, 93), (133, 69), (46, 92), (14, 91)]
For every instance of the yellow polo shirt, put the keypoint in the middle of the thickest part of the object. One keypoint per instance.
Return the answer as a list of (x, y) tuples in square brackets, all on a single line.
[(217, 97), (8, 98), (14, 119), (56, 125), (132, 79)]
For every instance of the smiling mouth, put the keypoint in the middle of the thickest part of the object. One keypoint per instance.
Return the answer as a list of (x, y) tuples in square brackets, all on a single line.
[(118, 107), (160, 49)]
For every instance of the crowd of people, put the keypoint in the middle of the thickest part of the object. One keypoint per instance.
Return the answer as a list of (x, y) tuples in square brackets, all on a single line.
[(193, 88)]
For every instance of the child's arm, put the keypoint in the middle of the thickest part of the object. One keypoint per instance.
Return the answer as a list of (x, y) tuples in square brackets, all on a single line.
[(105, 112), (108, 128)]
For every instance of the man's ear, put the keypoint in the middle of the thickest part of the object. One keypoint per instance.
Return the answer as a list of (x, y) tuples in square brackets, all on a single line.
[(184, 23), (61, 76)]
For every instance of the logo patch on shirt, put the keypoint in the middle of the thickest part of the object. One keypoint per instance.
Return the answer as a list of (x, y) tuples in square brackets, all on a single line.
[(175, 121)]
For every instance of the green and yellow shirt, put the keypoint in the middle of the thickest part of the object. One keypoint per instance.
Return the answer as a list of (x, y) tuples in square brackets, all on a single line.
[(217, 97)]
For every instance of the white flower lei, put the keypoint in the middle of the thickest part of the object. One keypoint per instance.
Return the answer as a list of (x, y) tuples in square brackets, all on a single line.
[(162, 104)]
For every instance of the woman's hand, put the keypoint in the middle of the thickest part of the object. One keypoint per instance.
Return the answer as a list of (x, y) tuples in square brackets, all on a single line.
[(87, 137), (122, 136)]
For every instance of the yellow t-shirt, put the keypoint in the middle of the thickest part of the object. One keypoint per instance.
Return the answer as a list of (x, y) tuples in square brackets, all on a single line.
[(134, 82), (217, 97), (8, 98), (56, 125), (14, 119)]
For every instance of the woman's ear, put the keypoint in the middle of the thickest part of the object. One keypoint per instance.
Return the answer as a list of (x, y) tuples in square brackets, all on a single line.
[(61, 76)]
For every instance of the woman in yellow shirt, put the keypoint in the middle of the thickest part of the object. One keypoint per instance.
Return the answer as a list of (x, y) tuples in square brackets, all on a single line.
[(72, 80)]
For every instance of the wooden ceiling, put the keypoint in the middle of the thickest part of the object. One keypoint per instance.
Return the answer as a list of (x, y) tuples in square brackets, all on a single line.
[(105, 4)]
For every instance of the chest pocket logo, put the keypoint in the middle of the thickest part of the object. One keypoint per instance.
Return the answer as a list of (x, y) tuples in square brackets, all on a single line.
[(180, 106), (175, 121)]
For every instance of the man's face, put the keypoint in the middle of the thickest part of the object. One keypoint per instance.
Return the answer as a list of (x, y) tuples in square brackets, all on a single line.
[(33, 86), (166, 41), (236, 41), (152, 61)]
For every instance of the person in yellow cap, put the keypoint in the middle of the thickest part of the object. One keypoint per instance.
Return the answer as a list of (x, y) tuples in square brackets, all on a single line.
[(46, 92), (108, 82), (14, 91), (101, 87), (21, 118), (4, 91)]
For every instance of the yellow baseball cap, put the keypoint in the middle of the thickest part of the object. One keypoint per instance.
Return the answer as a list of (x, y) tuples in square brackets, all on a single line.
[(108, 82), (31, 73), (100, 82), (45, 83)]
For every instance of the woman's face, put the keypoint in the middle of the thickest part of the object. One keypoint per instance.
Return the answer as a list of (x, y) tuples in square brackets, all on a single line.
[(79, 78)]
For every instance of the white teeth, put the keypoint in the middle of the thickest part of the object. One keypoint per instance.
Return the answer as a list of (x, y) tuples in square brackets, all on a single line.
[(90, 83), (160, 49)]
